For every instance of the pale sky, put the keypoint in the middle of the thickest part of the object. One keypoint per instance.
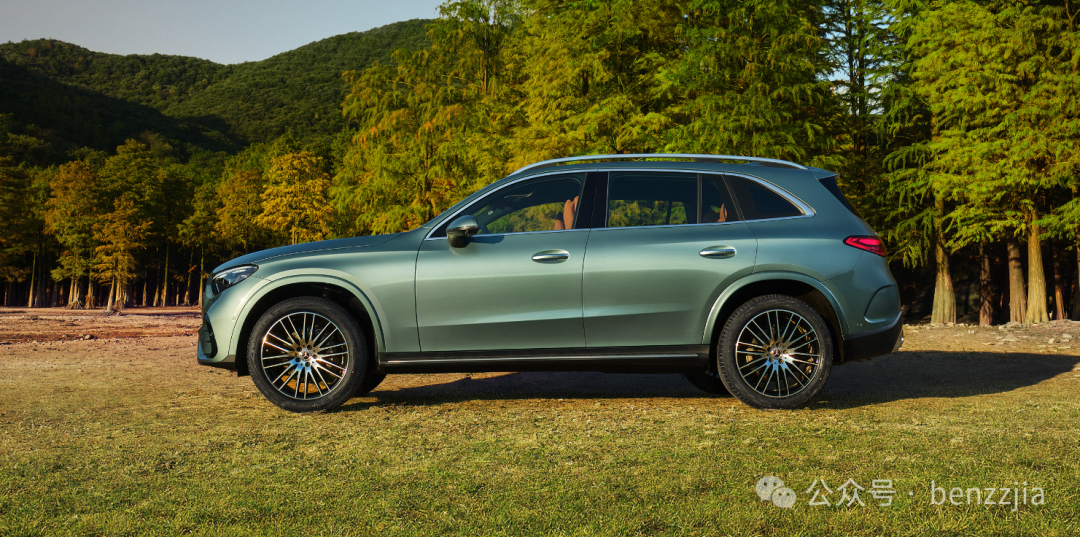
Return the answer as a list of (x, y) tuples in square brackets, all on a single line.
[(224, 31)]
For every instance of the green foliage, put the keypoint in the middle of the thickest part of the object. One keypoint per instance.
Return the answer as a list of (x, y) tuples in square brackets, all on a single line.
[(119, 234), (751, 80), (295, 199), (77, 97)]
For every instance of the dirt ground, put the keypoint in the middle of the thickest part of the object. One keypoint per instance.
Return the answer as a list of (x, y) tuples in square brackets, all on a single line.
[(156, 338), (55, 325), (39, 325)]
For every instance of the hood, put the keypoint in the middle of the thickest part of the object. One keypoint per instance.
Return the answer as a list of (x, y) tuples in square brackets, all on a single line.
[(305, 248)]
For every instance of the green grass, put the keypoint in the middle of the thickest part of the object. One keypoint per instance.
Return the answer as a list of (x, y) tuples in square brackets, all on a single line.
[(102, 438)]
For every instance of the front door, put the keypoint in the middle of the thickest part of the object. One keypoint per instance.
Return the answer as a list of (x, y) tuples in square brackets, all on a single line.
[(517, 283)]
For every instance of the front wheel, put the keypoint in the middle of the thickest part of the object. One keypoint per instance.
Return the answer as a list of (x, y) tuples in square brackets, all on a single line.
[(307, 354), (775, 351)]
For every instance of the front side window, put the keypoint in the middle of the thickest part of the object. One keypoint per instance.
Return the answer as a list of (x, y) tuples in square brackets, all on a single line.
[(651, 199), (544, 204)]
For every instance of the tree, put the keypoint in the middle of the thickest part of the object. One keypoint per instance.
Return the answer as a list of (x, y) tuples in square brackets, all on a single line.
[(423, 126), (118, 234), (295, 200), (751, 79), (72, 211), (977, 69)]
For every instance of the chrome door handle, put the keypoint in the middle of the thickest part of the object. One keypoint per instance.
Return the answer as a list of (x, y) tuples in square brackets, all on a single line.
[(551, 256), (718, 252)]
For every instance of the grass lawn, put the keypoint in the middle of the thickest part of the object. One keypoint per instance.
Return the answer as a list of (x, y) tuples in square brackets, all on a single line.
[(130, 436)]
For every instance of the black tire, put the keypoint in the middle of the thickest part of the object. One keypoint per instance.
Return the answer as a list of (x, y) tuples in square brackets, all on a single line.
[(371, 381), (307, 354), (775, 351), (707, 383)]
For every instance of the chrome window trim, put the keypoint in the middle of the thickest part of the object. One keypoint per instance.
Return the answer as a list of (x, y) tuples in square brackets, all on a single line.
[(808, 212)]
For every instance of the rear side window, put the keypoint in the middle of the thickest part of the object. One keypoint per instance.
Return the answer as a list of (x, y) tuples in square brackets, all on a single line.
[(759, 202), (651, 199), (830, 184), (716, 205)]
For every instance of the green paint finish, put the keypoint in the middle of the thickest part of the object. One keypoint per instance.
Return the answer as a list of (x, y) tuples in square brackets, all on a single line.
[(652, 286), (491, 294)]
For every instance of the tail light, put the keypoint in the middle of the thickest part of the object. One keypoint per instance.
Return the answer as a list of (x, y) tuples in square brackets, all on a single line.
[(873, 245)]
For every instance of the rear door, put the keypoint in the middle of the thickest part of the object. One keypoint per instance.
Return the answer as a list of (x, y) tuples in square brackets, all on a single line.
[(663, 247)]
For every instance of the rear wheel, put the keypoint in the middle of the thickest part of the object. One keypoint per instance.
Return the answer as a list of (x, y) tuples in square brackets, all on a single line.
[(775, 351), (307, 354)]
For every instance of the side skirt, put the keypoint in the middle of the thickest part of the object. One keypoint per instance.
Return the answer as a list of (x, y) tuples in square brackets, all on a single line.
[(665, 359)]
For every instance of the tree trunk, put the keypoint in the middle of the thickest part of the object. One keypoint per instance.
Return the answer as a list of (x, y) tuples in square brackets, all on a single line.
[(145, 283), (187, 282), (1076, 283), (90, 298), (1036, 311), (944, 295), (1017, 296), (202, 272), (112, 296), (33, 274), (165, 279), (1059, 282), (986, 292)]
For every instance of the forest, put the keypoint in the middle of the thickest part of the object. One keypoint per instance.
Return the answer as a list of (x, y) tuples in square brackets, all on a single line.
[(953, 126)]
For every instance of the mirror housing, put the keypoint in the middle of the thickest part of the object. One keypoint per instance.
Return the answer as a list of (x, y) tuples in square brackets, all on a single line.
[(459, 231)]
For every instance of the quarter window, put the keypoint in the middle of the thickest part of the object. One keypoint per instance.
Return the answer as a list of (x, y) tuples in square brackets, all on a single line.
[(759, 202)]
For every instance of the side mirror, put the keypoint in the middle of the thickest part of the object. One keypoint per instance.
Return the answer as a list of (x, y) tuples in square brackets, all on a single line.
[(461, 229)]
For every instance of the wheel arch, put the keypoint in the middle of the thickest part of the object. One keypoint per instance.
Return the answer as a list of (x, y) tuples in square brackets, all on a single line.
[(338, 291), (807, 289)]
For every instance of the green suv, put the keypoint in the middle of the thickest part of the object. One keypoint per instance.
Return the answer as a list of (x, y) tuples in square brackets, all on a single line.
[(748, 275)]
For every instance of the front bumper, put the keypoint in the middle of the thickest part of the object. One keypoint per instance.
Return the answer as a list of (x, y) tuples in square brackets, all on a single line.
[(221, 320), (873, 343)]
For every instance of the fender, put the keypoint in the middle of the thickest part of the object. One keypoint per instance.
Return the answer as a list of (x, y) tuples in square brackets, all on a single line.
[(335, 278), (735, 286)]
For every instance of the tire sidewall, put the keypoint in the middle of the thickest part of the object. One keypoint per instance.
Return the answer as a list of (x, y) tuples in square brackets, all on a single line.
[(726, 358), (350, 330)]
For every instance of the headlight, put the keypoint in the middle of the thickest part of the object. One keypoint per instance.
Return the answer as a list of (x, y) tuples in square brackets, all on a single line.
[(228, 278)]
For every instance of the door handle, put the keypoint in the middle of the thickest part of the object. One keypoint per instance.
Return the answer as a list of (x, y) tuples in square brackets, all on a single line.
[(718, 252), (551, 256)]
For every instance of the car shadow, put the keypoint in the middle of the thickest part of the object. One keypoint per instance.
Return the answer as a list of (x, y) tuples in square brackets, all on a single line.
[(898, 376)]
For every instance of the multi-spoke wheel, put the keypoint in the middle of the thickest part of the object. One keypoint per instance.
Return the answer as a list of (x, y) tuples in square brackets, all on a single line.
[(307, 354), (775, 352)]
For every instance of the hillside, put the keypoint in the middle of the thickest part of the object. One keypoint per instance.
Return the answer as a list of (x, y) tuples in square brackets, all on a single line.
[(73, 96)]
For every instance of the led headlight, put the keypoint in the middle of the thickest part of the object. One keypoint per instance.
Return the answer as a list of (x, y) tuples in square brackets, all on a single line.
[(228, 278)]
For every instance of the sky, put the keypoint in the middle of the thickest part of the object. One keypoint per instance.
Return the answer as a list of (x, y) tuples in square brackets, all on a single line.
[(223, 31)]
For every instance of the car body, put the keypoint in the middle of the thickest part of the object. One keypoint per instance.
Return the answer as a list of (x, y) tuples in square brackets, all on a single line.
[(731, 270)]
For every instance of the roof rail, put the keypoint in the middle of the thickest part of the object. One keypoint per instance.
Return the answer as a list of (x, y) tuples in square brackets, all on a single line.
[(775, 163)]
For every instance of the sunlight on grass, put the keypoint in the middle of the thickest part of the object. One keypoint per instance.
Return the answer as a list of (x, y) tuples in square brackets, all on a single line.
[(110, 445)]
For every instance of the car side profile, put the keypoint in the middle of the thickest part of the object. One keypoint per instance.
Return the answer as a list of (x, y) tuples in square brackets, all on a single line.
[(748, 275)]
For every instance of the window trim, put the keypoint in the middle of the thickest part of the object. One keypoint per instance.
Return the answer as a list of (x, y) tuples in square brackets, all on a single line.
[(599, 177), (807, 210)]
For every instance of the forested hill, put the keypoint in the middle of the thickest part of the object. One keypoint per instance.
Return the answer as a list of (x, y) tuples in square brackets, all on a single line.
[(75, 97)]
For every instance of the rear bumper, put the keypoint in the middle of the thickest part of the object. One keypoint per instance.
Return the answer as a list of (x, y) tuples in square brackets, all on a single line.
[(873, 343)]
